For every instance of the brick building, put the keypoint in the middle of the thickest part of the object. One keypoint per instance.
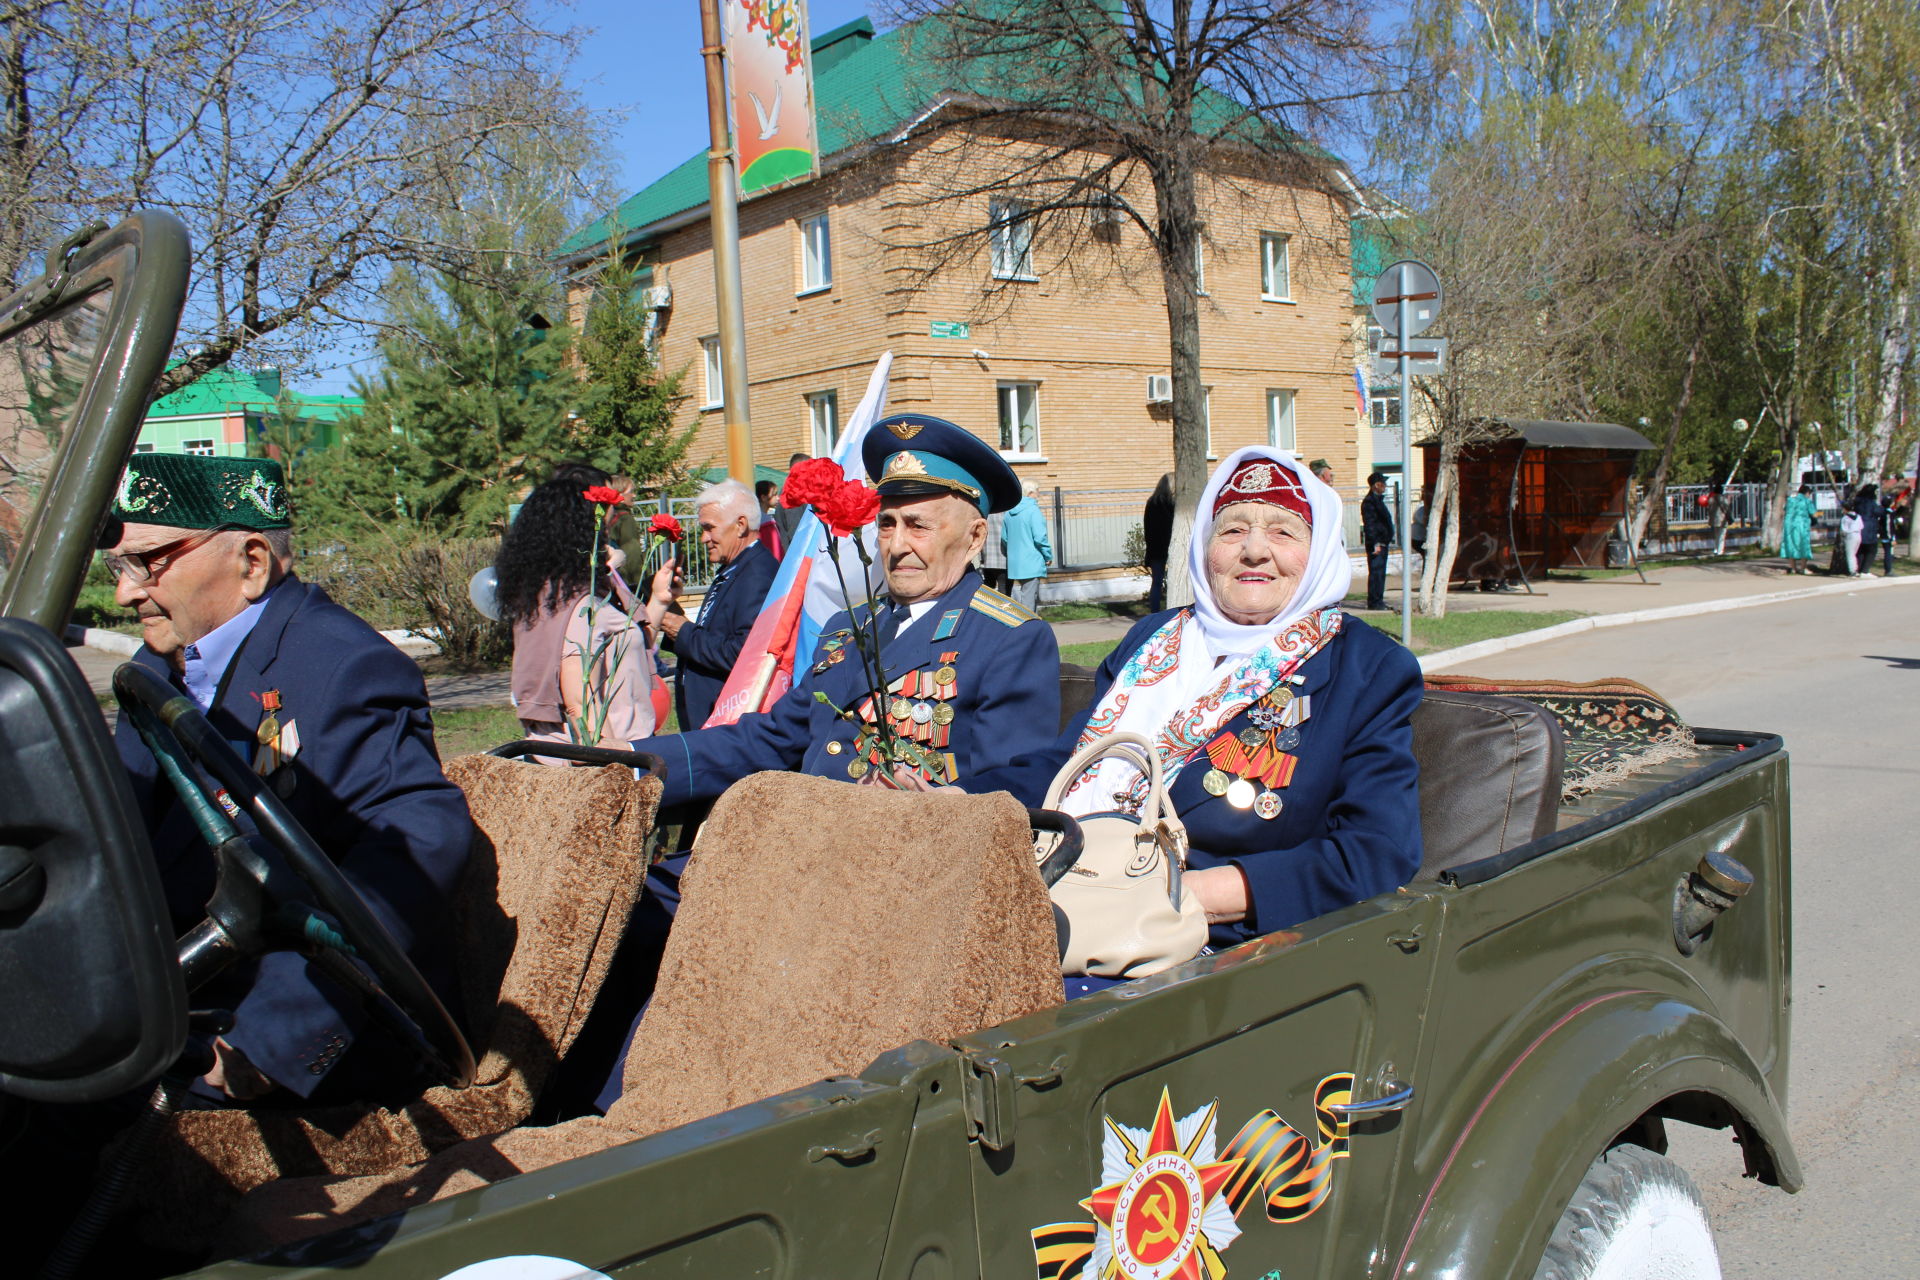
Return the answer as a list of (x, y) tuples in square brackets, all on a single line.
[(1057, 353)]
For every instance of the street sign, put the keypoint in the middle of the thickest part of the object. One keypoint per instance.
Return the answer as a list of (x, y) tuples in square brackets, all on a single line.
[(1426, 358), (1418, 285), (949, 329)]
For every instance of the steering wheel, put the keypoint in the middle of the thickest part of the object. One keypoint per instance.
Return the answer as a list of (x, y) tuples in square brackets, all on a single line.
[(257, 908)]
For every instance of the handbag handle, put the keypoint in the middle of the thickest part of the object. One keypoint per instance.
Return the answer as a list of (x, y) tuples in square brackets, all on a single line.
[(1157, 813)]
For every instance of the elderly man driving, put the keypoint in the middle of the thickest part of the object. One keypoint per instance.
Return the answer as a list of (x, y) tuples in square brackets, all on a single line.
[(332, 715)]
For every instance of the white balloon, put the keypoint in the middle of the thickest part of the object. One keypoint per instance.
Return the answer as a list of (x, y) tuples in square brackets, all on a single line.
[(482, 592), (528, 1266)]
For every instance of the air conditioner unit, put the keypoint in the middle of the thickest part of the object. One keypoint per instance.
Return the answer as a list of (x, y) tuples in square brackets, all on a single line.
[(1159, 389), (657, 297)]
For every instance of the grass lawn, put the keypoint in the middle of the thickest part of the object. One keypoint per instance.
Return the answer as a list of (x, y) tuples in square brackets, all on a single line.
[(473, 731), (1430, 635), (1090, 654), (1080, 611)]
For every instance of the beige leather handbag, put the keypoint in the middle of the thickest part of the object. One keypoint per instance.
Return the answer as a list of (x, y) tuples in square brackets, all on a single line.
[(1127, 914)]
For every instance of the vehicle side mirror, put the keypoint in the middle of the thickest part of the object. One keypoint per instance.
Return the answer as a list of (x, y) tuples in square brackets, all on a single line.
[(92, 1003)]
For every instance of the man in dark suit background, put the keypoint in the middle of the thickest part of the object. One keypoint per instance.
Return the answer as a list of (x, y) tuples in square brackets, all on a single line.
[(1376, 533), (336, 720), (707, 645)]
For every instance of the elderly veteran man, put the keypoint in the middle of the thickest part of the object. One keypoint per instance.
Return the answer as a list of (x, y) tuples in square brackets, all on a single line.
[(707, 646), (969, 672), (332, 715)]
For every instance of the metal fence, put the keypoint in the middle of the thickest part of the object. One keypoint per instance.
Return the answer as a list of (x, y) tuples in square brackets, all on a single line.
[(1686, 527)]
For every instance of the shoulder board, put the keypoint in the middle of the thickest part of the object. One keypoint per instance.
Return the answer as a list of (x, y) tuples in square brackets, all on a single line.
[(1002, 609)]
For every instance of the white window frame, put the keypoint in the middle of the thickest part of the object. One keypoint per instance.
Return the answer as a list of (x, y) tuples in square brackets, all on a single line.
[(1276, 266), (1200, 266), (1010, 239), (823, 411), (713, 370), (1007, 396), (816, 254), (144, 446), (1383, 409), (1281, 430), (198, 448)]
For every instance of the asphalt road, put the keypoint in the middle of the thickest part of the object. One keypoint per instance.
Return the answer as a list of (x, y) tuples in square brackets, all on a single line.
[(1839, 677)]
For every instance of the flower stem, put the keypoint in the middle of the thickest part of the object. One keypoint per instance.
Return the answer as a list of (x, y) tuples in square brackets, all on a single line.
[(869, 650)]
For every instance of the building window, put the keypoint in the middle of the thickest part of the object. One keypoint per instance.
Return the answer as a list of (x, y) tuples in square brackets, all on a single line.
[(1199, 265), (716, 374), (816, 254), (1010, 232), (823, 415), (145, 446), (1386, 410), (1280, 419), (1206, 416), (1020, 417), (202, 447), (1275, 275)]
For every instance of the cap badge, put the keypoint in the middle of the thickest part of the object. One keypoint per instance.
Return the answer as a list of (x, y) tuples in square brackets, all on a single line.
[(904, 464), (904, 430)]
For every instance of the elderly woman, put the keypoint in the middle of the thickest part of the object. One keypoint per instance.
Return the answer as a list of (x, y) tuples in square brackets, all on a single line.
[(1283, 725)]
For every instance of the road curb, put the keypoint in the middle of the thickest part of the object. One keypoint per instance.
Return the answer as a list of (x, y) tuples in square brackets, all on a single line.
[(1521, 639), (105, 641)]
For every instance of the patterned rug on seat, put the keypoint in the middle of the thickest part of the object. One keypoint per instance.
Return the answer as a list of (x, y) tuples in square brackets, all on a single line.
[(1614, 728)]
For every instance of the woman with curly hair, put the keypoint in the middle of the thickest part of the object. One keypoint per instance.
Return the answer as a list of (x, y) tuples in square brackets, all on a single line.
[(582, 650)]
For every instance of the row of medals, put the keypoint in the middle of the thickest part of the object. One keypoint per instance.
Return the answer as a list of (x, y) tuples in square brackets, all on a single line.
[(902, 710), (1274, 722)]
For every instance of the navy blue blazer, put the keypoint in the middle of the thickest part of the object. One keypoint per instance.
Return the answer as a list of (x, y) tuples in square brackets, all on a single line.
[(1350, 825), (1006, 698), (366, 784), (706, 650)]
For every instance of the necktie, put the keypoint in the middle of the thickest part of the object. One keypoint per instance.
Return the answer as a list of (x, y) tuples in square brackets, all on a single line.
[(714, 589), (889, 624)]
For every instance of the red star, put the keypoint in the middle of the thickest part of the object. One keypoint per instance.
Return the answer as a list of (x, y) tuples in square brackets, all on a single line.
[(1104, 1202)]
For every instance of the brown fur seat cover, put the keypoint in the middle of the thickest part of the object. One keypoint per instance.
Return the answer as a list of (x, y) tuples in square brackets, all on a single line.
[(557, 865), (821, 925)]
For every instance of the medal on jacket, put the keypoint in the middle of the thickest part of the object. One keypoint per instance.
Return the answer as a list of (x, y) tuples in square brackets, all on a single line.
[(269, 755), (1251, 767)]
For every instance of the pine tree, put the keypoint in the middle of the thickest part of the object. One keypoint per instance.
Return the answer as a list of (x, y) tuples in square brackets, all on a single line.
[(627, 405), (469, 410)]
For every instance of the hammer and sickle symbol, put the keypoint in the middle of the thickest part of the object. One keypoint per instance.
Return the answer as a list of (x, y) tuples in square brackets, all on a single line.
[(1159, 1210)]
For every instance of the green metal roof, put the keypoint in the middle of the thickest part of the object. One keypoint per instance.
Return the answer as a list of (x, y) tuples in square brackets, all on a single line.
[(227, 390), (865, 85)]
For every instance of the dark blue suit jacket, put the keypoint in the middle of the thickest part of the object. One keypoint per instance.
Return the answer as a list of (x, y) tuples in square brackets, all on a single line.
[(1350, 825), (1006, 698), (706, 650), (367, 785)]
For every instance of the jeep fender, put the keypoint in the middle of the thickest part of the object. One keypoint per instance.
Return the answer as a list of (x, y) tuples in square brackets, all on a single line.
[(1602, 1066)]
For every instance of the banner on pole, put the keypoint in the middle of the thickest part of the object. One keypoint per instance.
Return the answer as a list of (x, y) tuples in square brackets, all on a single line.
[(771, 79)]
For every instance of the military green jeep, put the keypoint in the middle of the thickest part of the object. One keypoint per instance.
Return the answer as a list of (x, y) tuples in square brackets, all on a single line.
[(1472, 1076)]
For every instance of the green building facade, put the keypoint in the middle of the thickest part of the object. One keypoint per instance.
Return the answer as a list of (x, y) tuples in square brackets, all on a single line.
[(229, 411)]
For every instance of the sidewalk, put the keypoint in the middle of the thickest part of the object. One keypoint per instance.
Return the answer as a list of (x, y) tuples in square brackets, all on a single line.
[(1680, 589)]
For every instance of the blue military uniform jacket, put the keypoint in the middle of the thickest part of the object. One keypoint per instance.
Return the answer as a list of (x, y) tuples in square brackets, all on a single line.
[(1349, 825), (706, 650), (366, 784), (1004, 696)]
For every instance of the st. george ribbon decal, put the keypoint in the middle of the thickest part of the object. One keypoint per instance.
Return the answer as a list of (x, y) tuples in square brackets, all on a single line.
[(1168, 1205)]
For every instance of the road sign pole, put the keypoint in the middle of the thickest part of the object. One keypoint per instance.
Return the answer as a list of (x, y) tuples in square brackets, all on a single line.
[(1406, 470)]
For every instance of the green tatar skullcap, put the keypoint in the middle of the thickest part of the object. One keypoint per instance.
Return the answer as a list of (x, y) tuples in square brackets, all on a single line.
[(191, 491)]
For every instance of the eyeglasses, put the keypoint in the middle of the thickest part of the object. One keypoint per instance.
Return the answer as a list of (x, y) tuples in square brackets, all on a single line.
[(145, 566)]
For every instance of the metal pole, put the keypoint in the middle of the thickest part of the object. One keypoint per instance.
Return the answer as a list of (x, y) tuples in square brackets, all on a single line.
[(1406, 473), (722, 194)]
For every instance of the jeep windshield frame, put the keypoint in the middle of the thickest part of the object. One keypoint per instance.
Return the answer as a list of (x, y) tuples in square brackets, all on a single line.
[(142, 263)]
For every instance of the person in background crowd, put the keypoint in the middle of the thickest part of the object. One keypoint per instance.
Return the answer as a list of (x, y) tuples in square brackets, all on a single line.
[(993, 553), (624, 532), (1417, 535), (1322, 471), (707, 646), (767, 494), (582, 651), (1029, 550), (338, 722), (1850, 539), (1376, 534), (1796, 531), (1866, 505), (1889, 509), (787, 519), (1156, 522)]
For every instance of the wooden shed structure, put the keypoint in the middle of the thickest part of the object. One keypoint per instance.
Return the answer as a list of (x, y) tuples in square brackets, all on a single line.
[(1546, 495)]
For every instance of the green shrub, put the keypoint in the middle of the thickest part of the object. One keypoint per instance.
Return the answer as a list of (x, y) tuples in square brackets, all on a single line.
[(417, 584)]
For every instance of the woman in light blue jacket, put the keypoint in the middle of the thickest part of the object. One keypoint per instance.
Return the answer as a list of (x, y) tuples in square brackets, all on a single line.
[(1029, 550)]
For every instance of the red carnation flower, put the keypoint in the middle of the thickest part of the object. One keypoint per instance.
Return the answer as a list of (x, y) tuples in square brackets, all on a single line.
[(602, 494), (667, 527), (848, 508), (810, 482)]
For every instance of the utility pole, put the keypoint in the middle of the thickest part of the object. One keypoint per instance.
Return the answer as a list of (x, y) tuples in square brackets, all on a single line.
[(723, 200)]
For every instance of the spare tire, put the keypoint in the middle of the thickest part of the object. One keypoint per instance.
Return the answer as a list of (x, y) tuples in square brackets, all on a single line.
[(1636, 1216)]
